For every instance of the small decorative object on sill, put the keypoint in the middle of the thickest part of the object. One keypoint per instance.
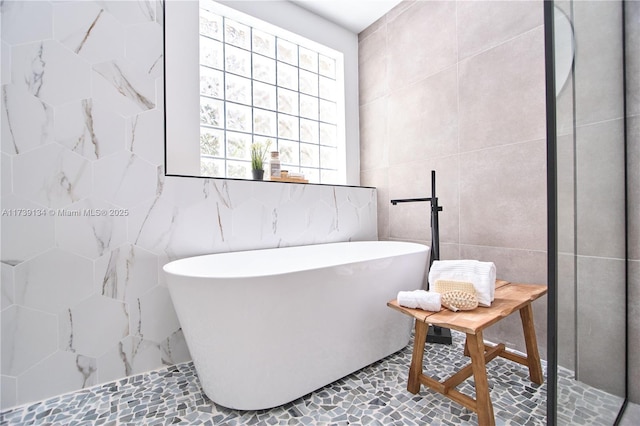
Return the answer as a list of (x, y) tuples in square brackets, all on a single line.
[(285, 176), (290, 179), (274, 165)]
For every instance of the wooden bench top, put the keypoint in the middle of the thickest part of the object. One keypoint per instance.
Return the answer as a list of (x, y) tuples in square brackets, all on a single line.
[(509, 297)]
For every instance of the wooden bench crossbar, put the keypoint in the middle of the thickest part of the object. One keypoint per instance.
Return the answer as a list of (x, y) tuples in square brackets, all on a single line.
[(508, 299), (467, 371)]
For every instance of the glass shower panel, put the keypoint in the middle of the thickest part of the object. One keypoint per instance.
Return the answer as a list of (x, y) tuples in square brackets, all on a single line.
[(591, 210)]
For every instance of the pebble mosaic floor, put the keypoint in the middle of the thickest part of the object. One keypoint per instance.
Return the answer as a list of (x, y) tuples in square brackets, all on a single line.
[(375, 395)]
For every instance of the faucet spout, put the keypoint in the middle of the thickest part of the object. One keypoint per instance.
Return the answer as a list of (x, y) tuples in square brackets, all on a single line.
[(435, 208)]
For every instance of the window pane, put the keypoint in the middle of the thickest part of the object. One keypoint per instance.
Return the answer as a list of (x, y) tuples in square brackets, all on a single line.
[(211, 112), (264, 69), (289, 154), (264, 43), (238, 145), (327, 88), (210, 24), (210, 53), (327, 66), (266, 141), (330, 177), (238, 117), (256, 87), (328, 134), (211, 142), (328, 111), (211, 82), (288, 101), (287, 76), (264, 122), (264, 95), (308, 107), (309, 131), (287, 52), (238, 169), (308, 83), (328, 157), (309, 155), (287, 126), (310, 174), (238, 89), (237, 61), (237, 34), (211, 167), (308, 59)]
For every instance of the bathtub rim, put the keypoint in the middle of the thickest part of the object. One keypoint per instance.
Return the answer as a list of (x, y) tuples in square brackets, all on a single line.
[(172, 267)]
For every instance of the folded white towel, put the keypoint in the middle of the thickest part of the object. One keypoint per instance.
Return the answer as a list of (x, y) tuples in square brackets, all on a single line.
[(481, 274), (426, 300)]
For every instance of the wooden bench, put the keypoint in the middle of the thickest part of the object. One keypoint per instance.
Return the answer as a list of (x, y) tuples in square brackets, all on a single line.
[(508, 299)]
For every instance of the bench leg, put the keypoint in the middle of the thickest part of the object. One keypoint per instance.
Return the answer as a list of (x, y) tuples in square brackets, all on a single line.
[(533, 356), (484, 408), (415, 370)]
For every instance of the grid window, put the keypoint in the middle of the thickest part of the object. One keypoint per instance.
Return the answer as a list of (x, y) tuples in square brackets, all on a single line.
[(257, 86)]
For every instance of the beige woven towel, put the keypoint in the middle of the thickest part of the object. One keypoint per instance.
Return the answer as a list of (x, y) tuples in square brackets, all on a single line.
[(457, 300), (443, 286)]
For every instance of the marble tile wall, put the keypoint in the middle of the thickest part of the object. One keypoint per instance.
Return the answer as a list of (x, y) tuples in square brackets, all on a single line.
[(88, 216), (458, 87)]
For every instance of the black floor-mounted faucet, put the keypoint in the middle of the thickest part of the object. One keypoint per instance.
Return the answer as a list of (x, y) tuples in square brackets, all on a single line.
[(436, 334), (435, 208)]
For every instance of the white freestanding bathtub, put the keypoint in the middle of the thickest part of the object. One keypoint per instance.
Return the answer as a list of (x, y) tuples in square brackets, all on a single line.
[(265, 327)]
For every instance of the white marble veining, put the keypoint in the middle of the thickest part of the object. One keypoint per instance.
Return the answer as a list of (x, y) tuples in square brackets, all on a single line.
[(84, 300), (142, 133), (126, 273), (124, 85), (84, 328), (153, 317), (89, 30), (144, 45), (89, 128), (60, 373), (27, 122), (50, 72), (134, 11), (82, 228), (51, 176), (6, 286)]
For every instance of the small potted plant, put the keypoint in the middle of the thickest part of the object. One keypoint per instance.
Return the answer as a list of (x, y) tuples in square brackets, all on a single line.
[(258, 157)]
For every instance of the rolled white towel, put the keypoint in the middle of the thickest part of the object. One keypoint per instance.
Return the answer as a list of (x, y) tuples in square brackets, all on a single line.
[(426, 300), (481, 274)]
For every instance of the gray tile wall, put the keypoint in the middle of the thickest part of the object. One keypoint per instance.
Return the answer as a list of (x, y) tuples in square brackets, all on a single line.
[(632, 16), (458, 87), (599, 194), (591, 196)]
